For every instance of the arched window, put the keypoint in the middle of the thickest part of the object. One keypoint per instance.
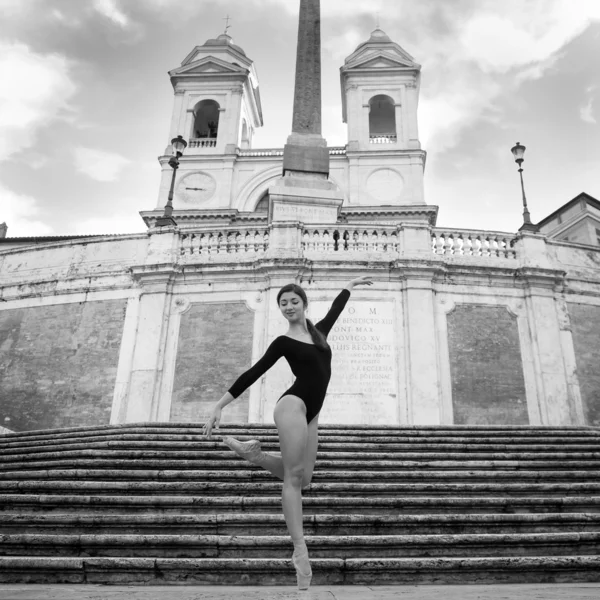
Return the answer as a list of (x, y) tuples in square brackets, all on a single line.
[(382, 120), (206, 121)]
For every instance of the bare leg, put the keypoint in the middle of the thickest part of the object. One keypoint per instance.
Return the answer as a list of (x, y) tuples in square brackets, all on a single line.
[(272, 461), (290, 418)]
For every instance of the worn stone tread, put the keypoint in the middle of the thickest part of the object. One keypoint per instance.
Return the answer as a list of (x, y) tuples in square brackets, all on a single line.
[(160, 503), (272, 571), (320, 476)]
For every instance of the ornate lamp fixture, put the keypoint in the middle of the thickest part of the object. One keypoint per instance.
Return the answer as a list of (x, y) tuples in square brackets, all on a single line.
[(179, 145), (518, 151)]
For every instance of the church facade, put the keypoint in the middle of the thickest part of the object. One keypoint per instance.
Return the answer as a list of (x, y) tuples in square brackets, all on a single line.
[(461, 326)]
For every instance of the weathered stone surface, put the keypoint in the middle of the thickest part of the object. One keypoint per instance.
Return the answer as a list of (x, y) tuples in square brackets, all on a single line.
[(486, 367), (307, 94), (214, 349), (585, 325), (58, 363), (395, 520)]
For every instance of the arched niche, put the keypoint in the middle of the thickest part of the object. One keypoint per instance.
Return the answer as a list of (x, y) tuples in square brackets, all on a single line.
[(206, 120), (382, 119), (245, 143), (263, 204)]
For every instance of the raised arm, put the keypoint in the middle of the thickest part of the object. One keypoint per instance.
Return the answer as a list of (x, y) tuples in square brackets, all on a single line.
[(339, 303)]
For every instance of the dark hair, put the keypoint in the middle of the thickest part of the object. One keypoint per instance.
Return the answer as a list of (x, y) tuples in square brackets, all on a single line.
[(317, 337)]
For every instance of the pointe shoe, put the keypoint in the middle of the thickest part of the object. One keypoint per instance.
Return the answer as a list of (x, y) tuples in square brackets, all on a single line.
[(302, 579), (249, 450)]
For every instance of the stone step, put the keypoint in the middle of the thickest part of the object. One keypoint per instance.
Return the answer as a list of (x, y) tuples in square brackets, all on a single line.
[(199, 440), (318, 524), (196, 450), (257, 474), (372, 436), (274, 546), (331, 571), (228, 460), (268, 487), (261, 429), (329, 504)]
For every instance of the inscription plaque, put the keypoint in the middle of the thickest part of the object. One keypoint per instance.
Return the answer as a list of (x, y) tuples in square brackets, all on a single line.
[(304, 213), (364, 380)]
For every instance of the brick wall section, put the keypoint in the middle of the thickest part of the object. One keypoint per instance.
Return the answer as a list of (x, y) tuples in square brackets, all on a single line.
[(215, 348), (58, 364), (486, 368), (585, 327)]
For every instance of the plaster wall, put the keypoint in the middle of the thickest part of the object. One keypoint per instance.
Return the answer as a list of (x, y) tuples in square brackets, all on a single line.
[(182, 328)]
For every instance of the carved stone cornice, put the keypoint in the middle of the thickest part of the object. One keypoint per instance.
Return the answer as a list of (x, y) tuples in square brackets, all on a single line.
[(410, 213)]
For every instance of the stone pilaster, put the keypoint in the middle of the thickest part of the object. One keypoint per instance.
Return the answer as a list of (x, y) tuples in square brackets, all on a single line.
[(423, 379), (156, 279)]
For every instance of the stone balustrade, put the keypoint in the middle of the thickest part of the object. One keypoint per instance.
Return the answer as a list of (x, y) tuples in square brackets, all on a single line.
[(335, 151), (383, 138), (203, 143), (245, 240), (338, 239), (462, 242)]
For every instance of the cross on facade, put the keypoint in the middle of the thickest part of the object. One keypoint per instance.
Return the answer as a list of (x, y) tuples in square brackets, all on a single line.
[(227, 25)]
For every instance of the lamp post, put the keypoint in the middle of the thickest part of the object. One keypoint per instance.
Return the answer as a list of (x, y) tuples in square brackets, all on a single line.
[(179, 145), (518, 151)]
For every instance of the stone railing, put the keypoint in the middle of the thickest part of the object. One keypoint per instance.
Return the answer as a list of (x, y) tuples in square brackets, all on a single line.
[(261, 152), (461, 242), (337, 150), (349, 239), (383, 138), (243, 240), (203, 143)]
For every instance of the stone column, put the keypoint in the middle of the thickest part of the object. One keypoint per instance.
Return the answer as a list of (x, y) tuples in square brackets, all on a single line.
[(306, 150), (304, 193)]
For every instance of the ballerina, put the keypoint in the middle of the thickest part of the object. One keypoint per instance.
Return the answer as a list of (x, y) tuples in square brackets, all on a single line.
[(296, 412)]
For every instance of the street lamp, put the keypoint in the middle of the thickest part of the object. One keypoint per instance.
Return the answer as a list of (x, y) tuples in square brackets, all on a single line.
[(179, 145), (518, 151)]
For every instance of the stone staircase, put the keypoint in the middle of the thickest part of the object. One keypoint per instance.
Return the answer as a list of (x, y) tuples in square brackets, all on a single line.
[(160, 504)]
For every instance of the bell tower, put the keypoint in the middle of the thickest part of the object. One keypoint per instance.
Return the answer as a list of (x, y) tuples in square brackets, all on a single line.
[(380, 93), (216, 110)]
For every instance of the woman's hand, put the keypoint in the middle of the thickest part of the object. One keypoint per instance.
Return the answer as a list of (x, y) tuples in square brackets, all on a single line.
[(364, 280), (213, 421)]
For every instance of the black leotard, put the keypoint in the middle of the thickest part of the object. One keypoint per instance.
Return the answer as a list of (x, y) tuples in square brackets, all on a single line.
[(311, 366)]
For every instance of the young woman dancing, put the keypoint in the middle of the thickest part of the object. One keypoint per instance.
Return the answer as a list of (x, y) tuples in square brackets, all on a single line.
[(296, 413)]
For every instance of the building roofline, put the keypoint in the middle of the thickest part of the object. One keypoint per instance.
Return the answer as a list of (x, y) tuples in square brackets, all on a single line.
[(582, 196)]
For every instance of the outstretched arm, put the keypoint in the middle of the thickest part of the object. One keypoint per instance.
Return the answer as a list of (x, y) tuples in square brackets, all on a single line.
[(328, 321), (365, 280), (272, 355)]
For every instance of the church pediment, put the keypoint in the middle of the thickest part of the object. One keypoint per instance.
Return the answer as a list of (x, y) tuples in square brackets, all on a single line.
[(208, 65), (380, 60)]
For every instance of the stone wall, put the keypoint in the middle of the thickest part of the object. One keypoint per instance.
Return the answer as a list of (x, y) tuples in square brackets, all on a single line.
[(585, 326), (215, 348), (58, 364), (486, 367)]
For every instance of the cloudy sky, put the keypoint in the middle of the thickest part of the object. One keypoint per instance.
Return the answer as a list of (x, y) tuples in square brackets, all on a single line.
[(85, 99)]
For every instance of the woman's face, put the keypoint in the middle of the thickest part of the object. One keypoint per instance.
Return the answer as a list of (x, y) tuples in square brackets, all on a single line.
[(292, 307)]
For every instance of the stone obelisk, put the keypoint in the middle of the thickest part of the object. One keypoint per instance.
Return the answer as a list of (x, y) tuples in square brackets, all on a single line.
[(304, 193)]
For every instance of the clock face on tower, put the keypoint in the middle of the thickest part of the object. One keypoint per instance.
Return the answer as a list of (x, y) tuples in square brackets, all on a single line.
[(194, 188)]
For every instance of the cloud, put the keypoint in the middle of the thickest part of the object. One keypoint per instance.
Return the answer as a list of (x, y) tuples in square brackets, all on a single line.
[(586, 112), (99, 165), (35, 91), (110, 10), (22, 215)]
